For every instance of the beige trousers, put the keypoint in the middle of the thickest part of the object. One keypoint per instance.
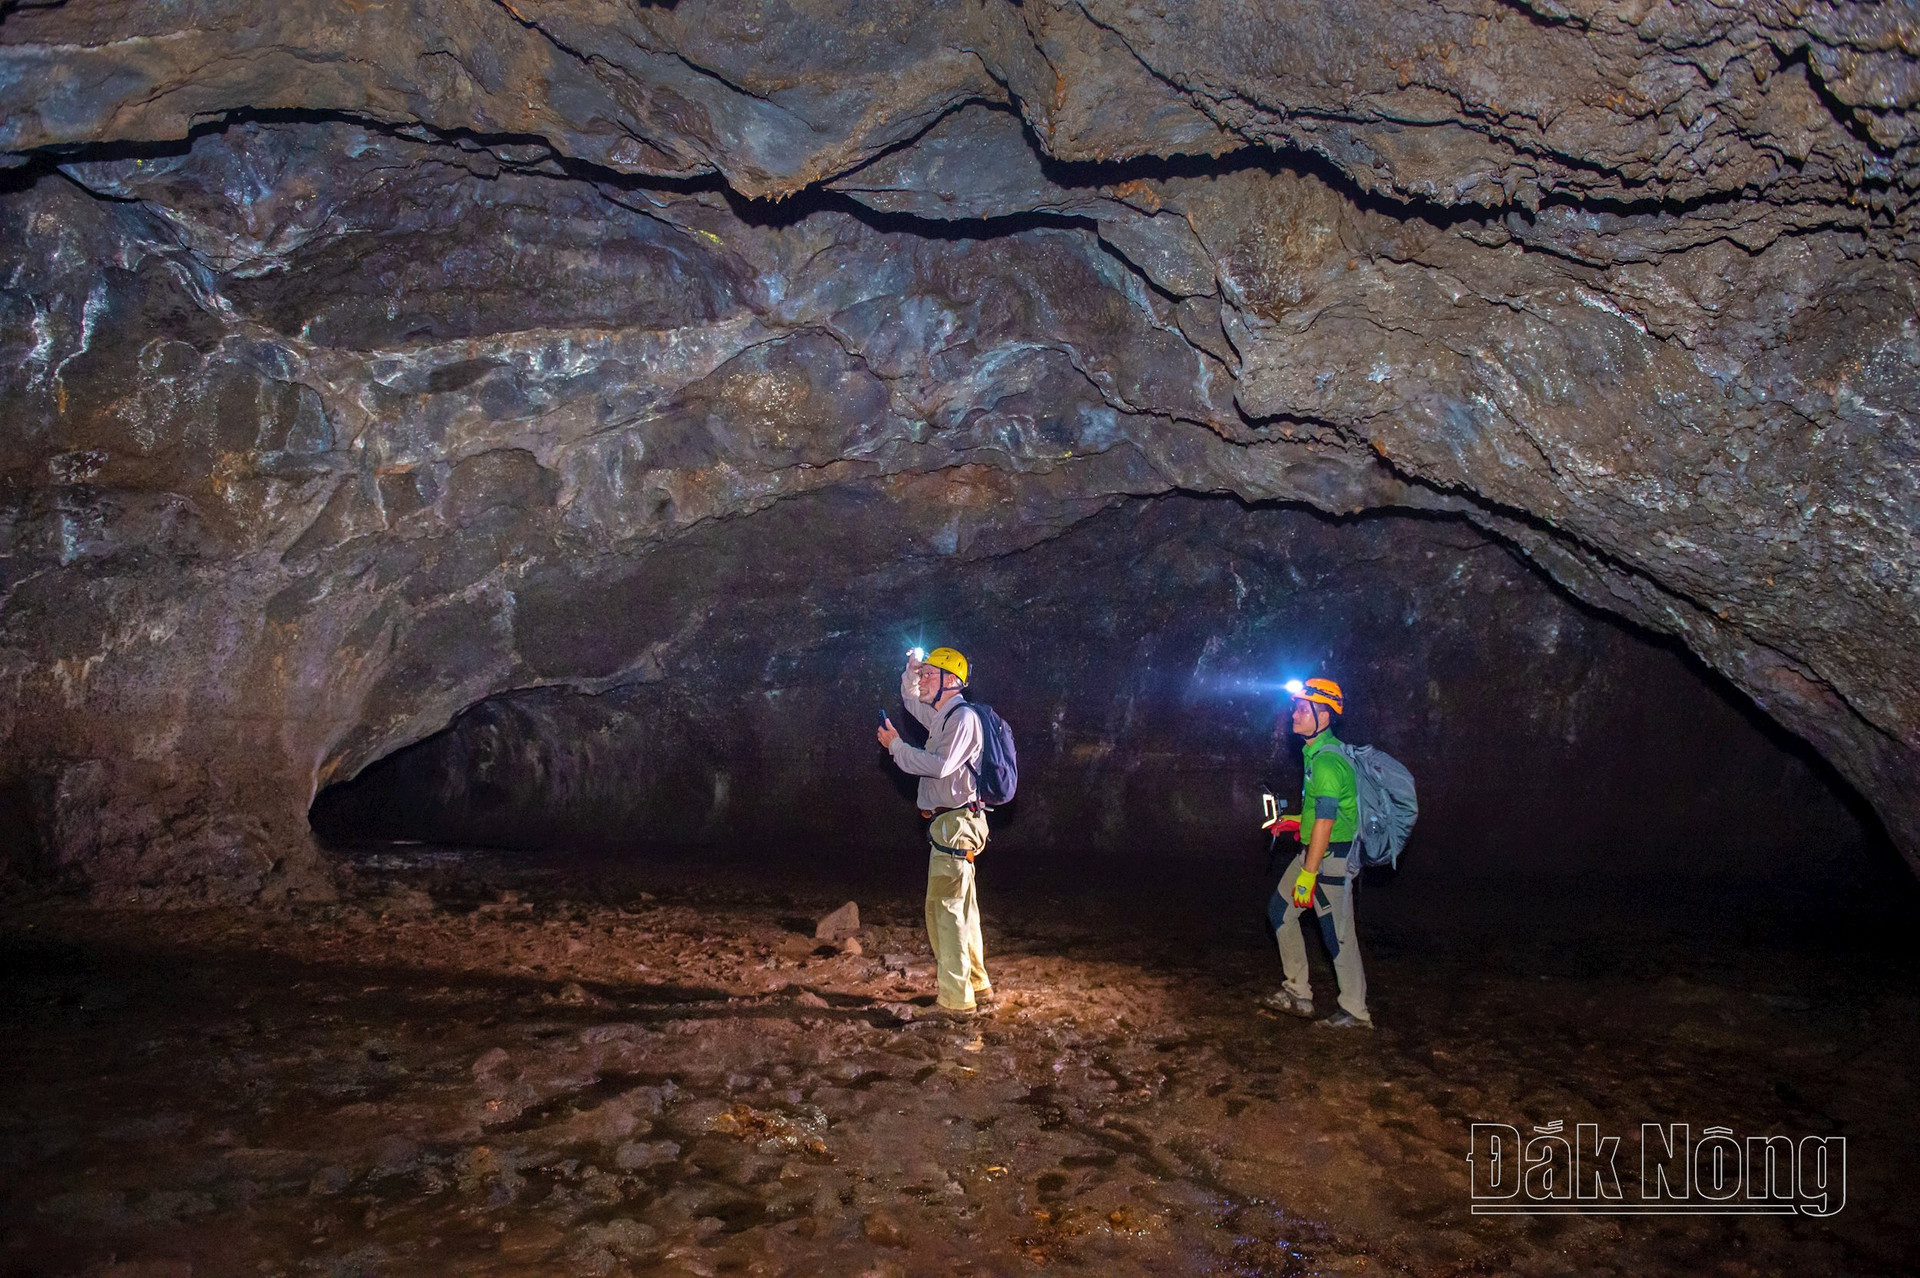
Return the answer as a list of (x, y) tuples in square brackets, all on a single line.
[(953, 910), (1333, 907)]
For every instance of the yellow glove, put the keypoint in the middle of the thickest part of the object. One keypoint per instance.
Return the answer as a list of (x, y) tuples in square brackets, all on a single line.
[(1303, 888)]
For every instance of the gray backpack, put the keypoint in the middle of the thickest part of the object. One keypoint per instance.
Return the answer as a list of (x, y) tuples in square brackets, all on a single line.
[(1384, 793)]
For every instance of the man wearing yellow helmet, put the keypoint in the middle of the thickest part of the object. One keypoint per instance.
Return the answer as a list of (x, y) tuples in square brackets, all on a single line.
[(1318, 878), (948, 769)]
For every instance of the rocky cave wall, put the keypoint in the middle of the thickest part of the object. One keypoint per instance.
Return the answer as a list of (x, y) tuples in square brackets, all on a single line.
[(359, 368)]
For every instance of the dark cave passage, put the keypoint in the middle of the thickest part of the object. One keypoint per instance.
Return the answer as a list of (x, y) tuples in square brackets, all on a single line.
[(1139, 657)]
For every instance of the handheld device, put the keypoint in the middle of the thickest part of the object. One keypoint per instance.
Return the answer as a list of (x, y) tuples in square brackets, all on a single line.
[(916, 654), (1271, 808), (883, 718)]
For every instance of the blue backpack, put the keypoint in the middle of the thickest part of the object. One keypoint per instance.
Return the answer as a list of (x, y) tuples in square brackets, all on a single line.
[(1388, 804), (998, 772)]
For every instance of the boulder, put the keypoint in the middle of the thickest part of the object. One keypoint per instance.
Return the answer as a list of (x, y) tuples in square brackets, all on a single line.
[(838, 925)]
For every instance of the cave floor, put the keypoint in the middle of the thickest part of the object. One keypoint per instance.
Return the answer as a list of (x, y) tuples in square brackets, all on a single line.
[(472, 1065)]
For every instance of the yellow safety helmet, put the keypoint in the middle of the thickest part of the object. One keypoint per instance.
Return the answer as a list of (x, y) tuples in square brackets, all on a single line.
[(1324, 691), (949, 660)]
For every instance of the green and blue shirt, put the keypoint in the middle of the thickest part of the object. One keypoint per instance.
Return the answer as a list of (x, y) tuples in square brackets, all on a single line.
[(1330, 790)]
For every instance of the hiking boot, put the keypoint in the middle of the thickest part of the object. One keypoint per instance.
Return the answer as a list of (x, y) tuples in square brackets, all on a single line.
[(944, 1013), (1291, 1004), (1346, 1020), (984, 1000)]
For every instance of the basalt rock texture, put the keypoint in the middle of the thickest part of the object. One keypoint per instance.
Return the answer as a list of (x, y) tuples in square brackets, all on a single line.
[(362, 366)]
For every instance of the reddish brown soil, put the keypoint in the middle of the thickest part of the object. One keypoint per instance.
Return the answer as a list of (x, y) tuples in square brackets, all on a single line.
[(476, 1069)]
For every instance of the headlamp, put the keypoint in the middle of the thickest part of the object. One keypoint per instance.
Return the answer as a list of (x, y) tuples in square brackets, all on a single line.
[(916, 654), (1294, 687)]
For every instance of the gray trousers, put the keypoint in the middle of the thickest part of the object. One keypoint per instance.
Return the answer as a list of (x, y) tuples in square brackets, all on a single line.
[(1333, 906)]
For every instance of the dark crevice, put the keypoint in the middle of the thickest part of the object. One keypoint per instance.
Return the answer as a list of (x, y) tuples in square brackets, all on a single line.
[(1544, 21), (815, 199), (1072, 175), (10, 7), (1407, 207), (578, 55), (1151, 285), (1292, 161), (1082, 175), (1093, 176), (1645, 206), (709, 73), (28, 172), (1843, 115), (44, 160), (752, 211)]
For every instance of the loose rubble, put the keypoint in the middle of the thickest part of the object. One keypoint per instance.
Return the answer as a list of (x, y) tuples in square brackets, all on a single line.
[(570, 1078)]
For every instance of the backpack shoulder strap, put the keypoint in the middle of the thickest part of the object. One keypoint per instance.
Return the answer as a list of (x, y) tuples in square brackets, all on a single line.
[(980, 749), (1345, 754)]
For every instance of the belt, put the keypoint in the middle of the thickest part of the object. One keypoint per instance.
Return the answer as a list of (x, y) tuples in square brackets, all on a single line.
[(941, 847), (965, 807)]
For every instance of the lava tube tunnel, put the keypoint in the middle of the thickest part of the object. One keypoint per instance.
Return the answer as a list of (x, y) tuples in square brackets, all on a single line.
[(959, 639)]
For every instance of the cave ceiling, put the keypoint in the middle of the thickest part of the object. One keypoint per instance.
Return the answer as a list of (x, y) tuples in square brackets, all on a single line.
[(362, 364)]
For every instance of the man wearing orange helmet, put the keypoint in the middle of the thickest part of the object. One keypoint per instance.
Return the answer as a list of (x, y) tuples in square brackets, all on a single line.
[(949, 769), (1318, 878)]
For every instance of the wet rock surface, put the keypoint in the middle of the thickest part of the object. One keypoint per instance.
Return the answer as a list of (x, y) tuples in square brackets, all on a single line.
[(358, 370), (482, 1067)]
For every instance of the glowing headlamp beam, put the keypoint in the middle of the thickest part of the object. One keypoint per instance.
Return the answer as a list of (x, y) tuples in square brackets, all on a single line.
[(1294, 687)]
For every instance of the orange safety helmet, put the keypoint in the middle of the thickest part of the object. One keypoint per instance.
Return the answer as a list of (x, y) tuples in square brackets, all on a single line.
[(1324, 691)]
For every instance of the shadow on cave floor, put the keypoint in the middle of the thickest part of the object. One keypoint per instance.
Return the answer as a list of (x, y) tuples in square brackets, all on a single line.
[(480, 1063)]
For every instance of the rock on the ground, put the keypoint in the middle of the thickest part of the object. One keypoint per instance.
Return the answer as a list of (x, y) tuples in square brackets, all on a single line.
[(839, 924)]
